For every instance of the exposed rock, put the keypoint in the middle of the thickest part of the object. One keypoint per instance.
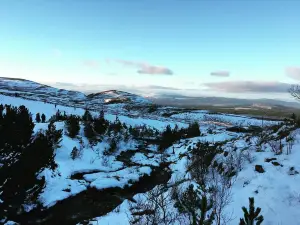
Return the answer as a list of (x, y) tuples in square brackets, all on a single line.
[(269, 159), (292, 171), (259, 168), (276, 163)]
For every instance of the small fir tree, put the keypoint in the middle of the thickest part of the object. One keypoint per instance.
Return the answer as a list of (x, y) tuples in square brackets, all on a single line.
[(89, 131), (196, 204), (54, 136), (75, 153), (38, 118), (43, 118), (87, 116), (251, 216)]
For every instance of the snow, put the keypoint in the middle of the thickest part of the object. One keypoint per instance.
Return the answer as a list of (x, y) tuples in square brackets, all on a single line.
[(275, 191), (231, 119), (117, 179), (119, 216), (278, 193)]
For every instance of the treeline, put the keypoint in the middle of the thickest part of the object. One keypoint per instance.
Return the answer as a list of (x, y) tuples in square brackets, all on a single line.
[(169, 136)]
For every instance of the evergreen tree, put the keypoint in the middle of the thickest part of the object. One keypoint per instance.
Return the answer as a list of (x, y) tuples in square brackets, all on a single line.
[(201, 159), (293, 116), (112, 147), (38, 118), (16, 127), (54, 136), (43, 118), (72, 125), (21, 182), (75, 153), (25, 126), (100, 124), (196, 205), (1, 111), (193, 130), (58, 115), (87, 116), (251, 216), (167, 138), (89, 131)]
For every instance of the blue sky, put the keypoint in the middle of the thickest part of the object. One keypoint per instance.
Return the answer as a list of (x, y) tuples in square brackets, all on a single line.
[(212, 47)]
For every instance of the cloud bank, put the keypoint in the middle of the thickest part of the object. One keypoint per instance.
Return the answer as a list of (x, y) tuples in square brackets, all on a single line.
[(293, 72), (220, 73), (249, 87), (91, 63), (143, 67)]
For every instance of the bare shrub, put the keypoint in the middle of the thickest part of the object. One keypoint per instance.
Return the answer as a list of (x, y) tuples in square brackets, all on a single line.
[(221, 185), (154, 208), (276, 146), (290, 141)]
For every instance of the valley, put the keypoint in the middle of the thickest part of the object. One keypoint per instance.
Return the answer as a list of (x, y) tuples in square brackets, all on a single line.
[(157, 151)]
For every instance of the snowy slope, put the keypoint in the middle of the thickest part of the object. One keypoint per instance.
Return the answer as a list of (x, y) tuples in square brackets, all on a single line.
[(118, 96), (39, 92), (276, 191), (36, 91)]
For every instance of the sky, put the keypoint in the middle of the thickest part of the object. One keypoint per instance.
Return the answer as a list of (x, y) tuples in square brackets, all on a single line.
[(228, 48)]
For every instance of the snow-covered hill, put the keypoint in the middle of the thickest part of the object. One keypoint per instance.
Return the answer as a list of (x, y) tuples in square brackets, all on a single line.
[(275, 189), (35, 91), (114, 96)]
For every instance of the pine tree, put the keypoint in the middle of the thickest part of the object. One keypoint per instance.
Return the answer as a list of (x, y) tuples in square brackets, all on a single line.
[(196, 204), (54, 136), (252, 216), (100, 124), (43, 118), (16, 129), (87, 116), (112, 147), (193, 130), (21, 182), (293, 116), (38, 118), (167, 138), (1, 111), (75, 153), (58, 115), (72, 125), (89, 131)]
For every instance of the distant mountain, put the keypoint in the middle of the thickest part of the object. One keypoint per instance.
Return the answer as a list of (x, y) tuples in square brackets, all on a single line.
[(181, 100)]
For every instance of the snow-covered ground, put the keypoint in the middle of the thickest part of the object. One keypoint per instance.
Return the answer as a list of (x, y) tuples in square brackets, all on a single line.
[(230, 119), (276, 191)]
